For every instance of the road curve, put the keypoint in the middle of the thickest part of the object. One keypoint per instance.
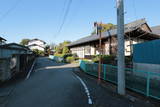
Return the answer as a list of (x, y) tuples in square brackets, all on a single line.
[(50, 85)]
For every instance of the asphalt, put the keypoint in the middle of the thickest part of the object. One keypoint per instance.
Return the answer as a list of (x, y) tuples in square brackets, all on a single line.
[(54, 84)]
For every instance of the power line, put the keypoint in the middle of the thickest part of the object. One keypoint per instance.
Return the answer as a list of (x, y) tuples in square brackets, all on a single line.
[(65, 17), (74, 15), (10, 10), (63, 9)]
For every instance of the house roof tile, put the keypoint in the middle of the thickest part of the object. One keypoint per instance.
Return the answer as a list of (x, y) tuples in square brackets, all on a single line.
[(156, 29), (128, 27)]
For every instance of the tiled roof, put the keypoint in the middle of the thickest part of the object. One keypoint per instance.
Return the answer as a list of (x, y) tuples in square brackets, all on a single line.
[(14, 45), (2, 39), (156, 29), (37, 40), (128, 27)]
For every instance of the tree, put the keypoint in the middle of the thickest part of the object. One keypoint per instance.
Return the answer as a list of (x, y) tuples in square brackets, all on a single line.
[(65, 50), (62, 47), (24, 41), (106, 27), (47, 50), (38, 52), (58, 50)]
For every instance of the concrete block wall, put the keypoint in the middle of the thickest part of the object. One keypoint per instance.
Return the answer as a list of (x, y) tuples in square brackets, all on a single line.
[(17, 63), (5, 72)]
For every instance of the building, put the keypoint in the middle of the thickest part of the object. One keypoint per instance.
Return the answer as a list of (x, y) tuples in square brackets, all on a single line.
[(37, 44), (135, 32), (156, 29), (2, 41), (7, 50), (14, 58)]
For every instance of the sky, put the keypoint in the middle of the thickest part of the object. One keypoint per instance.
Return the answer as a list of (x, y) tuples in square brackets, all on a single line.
[(41, 19)]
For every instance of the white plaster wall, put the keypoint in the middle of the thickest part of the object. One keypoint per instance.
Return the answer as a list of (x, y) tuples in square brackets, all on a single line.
[(92, 50), (36, 47), (127, 48), (79, 51), (37, 42), (106, 48)]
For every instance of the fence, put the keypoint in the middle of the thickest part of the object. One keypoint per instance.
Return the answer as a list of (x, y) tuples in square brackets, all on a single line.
[(147, 83)]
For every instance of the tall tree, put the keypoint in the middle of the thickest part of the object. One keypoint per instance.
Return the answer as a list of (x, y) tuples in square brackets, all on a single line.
[(24, 41), (62, 47)]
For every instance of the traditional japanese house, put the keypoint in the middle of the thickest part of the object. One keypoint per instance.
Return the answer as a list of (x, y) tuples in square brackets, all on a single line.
[(135, 32)]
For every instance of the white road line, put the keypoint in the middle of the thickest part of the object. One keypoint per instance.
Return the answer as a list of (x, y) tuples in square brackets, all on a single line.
[(86, 90), (30, 69)]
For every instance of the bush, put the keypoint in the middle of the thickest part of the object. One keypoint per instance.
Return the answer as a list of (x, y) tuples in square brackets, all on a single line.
[(106, 59), (65, 50), (70, 59), (109, 59), (58, 55), (67, 57), (38, 52)]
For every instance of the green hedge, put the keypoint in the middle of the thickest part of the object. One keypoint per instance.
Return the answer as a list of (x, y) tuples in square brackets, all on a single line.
[(106, 59), (67, 58), (70, 59)]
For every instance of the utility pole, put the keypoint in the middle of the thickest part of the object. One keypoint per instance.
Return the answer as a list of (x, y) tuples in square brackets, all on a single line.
[(99, 32), (100, 50), (121, 56)]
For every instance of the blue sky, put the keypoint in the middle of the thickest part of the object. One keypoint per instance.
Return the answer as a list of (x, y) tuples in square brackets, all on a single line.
[(42, 18)]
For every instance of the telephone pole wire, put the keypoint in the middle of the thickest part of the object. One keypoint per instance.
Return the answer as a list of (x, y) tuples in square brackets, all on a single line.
[(121, 55)]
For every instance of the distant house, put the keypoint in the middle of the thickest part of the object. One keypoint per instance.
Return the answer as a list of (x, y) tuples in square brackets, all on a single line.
[(2, 41), (135, 32), (37, 44)]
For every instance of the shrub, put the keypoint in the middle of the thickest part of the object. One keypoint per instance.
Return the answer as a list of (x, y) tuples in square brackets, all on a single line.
[(58, 55), (70, 59), (106, 59), (128, 60), (65, 50), (95, 59), (38, 52), (109, 59), (66, 55)]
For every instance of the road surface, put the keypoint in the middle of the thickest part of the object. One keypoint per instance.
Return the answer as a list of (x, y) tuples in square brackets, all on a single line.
[(54, 84)]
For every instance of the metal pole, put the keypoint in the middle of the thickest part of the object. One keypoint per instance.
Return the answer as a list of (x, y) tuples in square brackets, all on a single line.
[(120, 34)]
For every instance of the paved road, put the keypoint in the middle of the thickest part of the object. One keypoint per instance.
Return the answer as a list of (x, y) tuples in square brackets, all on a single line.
[(56, 85)]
